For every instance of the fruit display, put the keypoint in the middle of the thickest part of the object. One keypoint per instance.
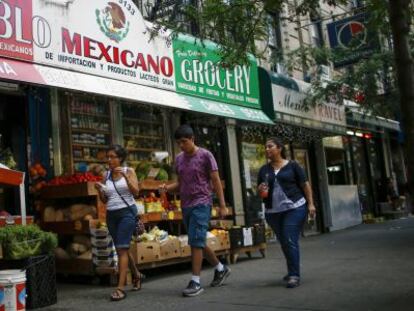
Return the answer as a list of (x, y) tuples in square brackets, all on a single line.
[(144, 167), (154, 204), (37, 173), (155, 235), (74, 179)]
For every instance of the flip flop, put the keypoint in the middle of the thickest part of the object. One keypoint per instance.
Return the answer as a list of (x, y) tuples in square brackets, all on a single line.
[(115, 296)]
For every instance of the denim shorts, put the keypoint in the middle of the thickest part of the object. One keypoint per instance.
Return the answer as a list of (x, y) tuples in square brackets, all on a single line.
[(121, 226), (196, 219)]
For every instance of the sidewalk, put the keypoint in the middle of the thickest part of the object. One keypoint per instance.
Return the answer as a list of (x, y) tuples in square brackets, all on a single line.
[(368, 267)]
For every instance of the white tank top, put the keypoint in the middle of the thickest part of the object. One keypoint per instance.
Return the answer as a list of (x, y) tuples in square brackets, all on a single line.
[(115, 202)]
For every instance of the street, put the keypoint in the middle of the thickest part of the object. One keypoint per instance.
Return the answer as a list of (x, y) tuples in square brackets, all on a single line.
[(368, 267)]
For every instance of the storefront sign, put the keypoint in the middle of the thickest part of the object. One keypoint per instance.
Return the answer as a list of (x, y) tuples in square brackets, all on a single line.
[(18, 71), (291, 102), (44, 75), (198, 73), (98, 37), (352, 34), (110, 39)]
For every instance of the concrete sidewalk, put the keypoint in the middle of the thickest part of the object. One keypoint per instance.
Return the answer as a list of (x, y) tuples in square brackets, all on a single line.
[(368, 267)]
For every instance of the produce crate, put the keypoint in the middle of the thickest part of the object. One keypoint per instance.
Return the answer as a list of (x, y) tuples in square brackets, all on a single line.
[(14, 220), (101, 242), (170, 249), (144, 252), (71, 190), (236, 237), (41, 281), (259, 235)]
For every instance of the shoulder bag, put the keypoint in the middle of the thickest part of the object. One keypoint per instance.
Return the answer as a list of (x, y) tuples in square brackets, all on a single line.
[(139, 225)]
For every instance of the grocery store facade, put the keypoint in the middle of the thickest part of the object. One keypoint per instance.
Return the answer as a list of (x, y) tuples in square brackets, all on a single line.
[(74, 81)]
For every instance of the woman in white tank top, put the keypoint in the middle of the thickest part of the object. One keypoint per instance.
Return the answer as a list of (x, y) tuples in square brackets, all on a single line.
[(118, 189)]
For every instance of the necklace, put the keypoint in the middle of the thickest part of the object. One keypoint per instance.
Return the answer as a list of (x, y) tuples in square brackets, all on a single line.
[(277, 167)]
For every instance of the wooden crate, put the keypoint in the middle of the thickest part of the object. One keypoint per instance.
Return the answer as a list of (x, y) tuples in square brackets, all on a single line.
[(151, 184), (75, 266), (67, 227), (16, 220), (67, 191)]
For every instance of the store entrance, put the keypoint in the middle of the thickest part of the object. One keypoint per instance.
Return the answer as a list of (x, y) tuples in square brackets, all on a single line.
[(13, 145)]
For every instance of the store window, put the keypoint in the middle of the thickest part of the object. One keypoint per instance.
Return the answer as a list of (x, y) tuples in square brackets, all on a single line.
[(337, 161), (90, 131), (142, 131)]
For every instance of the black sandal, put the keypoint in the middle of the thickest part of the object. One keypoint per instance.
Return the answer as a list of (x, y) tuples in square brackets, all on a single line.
[(115, 296), (137, 282)]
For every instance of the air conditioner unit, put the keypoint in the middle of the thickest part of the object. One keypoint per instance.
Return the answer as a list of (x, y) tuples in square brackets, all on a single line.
[(280, 68)]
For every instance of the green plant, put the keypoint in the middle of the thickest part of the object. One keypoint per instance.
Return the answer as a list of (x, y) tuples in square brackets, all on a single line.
[(24, 241)]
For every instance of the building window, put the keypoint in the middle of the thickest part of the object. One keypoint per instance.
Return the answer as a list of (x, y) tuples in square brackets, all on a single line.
[(316, 31), (275, 42), (338, 163)]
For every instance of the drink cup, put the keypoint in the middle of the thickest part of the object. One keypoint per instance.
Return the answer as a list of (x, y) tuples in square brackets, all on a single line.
[(264, 192)]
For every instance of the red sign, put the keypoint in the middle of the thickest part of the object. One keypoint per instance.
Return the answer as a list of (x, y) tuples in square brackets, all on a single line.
[(16, 36), (19, 71)]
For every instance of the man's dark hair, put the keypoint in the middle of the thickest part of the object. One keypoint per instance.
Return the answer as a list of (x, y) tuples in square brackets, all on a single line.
[(184, 131)]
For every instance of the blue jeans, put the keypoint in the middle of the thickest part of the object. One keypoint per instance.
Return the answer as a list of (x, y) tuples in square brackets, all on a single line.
[(287, 227), (196, 220), (121, 226)]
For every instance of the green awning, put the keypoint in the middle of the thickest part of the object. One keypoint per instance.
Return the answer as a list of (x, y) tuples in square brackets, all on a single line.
[(284, 81), (225, 110), (367, 121)]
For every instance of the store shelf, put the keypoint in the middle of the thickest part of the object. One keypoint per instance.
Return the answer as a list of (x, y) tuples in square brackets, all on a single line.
[(144, 136), (89, 160), (88, 130), (141, 149), (172, 216), (151, 184), (67, 227), (66, 191), (91, 145), (10, 177), (141, 121), (90, 114), (161, 216)]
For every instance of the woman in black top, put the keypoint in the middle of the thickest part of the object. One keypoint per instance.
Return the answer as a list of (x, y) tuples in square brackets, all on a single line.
[(287, 195)]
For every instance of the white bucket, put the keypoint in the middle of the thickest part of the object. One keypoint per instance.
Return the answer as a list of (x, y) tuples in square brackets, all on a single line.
[(12, 290)]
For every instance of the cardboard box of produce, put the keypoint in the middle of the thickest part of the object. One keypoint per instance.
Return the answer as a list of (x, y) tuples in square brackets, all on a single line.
[(223, 241), (213, 242), (186, 251), (170, 249), (144, 252), (221, 224)]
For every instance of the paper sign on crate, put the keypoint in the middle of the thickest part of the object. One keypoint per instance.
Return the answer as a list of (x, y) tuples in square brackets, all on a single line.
[(247, 237)]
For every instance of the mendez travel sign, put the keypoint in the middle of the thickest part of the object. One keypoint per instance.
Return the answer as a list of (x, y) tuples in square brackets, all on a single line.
[(100, 37), (197, 73)]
